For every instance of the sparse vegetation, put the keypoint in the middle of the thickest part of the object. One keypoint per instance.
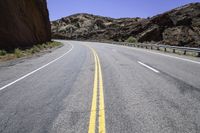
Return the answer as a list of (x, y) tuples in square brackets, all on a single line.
[(131, 40), (3, 52), (18, 53)]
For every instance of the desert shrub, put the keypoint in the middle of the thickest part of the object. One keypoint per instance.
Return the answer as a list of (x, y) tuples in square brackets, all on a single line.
[(3, 52), (41, 46), (18, 53), (131, 40), (44, 45), (53, 44), (35, 49)]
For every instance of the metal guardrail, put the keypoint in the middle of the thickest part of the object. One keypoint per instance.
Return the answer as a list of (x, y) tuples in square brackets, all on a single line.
[(165, 48)]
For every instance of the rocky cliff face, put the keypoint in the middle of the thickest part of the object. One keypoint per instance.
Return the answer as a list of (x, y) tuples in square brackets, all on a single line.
[(91, 27), (23, 23), (180, 26)]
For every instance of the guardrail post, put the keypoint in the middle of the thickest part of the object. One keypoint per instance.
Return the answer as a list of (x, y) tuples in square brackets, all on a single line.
[(184, 52), (165, 50), (151, 47), (198, 54), (174, 50)]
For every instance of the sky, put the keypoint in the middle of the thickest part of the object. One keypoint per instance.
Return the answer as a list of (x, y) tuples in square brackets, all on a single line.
[(112, 8)]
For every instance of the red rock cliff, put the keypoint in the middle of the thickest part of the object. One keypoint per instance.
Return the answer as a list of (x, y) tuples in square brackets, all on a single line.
[(23, 23)]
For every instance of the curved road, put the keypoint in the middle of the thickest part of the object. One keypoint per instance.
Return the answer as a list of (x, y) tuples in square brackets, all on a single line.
[(94, 87)]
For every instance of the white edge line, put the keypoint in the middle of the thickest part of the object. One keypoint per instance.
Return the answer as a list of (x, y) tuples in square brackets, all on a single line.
[(162, 54), (148, 67), (188, 60), (36, 70)]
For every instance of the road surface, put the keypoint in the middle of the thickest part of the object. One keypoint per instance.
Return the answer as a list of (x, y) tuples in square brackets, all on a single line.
[(86, 87)]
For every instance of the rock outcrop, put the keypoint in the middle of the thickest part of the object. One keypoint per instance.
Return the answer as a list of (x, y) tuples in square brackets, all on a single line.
[(91, 27), (23, 23), (180, 26)]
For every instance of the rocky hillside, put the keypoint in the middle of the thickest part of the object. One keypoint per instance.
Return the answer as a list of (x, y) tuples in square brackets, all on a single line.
[(180, 26), (23, 23), (91, 27)]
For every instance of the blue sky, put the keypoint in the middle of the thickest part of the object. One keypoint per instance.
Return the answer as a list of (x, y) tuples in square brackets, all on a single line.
[(112, 8)]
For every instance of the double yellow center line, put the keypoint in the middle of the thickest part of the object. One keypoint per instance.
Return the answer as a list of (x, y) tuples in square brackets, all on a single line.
[(97, 89)]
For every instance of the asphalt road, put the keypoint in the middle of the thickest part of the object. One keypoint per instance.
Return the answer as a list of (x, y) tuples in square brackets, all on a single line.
[(92, 87)]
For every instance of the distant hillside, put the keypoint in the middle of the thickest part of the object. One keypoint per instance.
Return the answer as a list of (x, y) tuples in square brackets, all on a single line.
[(180, 26), (91, 27)]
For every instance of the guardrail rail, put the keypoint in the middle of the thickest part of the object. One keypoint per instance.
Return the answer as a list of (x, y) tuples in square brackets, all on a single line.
[(165, 48)]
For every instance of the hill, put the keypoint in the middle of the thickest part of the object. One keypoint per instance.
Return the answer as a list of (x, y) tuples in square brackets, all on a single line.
[(180, 27)]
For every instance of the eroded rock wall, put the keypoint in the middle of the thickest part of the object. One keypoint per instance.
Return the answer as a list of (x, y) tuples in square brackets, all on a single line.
[(23, 23)]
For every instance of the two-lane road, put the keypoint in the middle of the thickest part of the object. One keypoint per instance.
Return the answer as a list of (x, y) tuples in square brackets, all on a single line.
[(95, 87)]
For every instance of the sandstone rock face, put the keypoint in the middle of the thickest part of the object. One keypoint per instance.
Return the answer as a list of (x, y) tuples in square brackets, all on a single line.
[(23, 23), (180, 26)]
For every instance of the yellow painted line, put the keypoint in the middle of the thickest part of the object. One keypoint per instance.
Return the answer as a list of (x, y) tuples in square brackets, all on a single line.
[(92, 123), (102, 123), (98, 83)]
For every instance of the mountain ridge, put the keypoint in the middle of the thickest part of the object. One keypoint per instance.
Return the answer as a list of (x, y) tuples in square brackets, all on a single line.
[(179, 27)]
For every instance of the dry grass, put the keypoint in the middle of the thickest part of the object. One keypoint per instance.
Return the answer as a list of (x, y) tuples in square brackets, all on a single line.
[(131, 40), (18, 53)]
